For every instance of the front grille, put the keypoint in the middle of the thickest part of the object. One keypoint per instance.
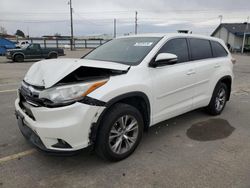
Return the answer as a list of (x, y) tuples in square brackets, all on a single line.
[(29, 97), (26, 109)]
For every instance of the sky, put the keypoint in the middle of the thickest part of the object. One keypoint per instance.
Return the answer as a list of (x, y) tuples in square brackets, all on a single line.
[(96, 17)]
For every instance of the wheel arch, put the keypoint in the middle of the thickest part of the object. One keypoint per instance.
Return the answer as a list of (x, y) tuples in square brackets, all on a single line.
[(228, 81), (137, 99), (18, 53), (53, 52)]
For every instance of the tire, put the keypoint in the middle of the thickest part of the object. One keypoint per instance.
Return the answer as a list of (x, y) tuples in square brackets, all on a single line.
[(114, 143), (52, 56), (18, 58), (218, 100)]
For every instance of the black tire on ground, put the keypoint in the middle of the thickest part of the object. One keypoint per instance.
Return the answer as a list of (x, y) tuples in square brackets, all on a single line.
[(110, 123), (218, 100), (18, 58), (52, 56)]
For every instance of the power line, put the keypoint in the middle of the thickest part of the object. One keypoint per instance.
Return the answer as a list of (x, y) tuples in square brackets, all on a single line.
[(91, 22), (33, 21), (128, 11)]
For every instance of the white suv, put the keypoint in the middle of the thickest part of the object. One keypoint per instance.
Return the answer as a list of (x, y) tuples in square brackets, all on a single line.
[(109, 97)]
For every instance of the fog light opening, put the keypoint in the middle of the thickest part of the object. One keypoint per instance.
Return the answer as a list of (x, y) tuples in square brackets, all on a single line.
[(61, 144)]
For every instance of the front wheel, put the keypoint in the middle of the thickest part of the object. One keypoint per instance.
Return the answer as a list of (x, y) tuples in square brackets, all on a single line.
[(120, 132), (218, 100), (18, 58)]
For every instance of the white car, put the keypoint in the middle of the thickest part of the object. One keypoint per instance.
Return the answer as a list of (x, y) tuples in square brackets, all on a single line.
[(110, 96)]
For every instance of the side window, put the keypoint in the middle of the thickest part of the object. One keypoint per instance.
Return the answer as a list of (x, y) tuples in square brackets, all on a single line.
[(34, 47), (218, 49), (200, 49), (178, 47)]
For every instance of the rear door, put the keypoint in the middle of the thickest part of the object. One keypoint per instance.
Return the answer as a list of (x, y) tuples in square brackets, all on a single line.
[(173, 84), (202, 56)]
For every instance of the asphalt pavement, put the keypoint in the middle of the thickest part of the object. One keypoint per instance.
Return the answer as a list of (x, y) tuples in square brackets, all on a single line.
[(174, 153)]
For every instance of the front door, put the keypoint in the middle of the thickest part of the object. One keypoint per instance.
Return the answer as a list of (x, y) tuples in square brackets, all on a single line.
[(33, 51), (173, 84)]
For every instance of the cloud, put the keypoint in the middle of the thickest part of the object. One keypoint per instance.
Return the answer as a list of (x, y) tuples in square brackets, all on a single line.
[(96, 16)]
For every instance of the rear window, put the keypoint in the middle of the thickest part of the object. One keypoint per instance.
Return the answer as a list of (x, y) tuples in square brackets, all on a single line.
[(218, 49), (200, 49)]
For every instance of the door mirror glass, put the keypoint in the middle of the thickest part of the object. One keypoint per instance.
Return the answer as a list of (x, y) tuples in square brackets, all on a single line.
[(164, 59)]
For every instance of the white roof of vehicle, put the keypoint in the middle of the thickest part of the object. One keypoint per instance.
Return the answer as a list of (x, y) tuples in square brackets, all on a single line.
[(168, 35)]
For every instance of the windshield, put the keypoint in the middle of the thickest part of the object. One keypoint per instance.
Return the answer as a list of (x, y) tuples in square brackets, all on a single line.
[(129, 51)]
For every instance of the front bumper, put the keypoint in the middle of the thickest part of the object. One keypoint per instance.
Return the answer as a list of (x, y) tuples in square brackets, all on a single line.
[(47, 126), (8, 55)]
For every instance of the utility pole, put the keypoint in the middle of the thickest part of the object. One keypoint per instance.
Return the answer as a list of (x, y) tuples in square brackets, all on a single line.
[(136, 22), (244, 37), (114, 28), (71, 26)]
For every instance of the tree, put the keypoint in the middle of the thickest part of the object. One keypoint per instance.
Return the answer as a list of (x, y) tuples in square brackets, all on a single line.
[(57, 34), (20, 33), (3, 30)]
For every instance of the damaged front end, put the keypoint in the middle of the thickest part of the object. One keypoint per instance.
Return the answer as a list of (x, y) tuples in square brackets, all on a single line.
[(62, 87)]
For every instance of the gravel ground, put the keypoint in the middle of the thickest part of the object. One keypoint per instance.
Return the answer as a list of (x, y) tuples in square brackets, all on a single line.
[(174, 153)]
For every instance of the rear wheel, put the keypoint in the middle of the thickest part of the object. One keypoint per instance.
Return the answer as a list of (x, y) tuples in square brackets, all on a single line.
[(53, 56), (18, 58), (120, 132), (218, 100)]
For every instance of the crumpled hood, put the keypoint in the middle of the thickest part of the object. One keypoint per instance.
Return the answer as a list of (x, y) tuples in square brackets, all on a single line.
[(46, 73)]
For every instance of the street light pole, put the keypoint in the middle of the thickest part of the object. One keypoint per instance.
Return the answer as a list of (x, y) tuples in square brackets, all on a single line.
[(71, 25), (244, 37), (136, 22)]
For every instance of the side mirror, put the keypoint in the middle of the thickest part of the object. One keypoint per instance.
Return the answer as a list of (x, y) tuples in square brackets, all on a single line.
[(164, 59)]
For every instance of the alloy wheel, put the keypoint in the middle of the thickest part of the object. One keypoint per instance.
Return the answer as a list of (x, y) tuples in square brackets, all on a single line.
[(220, 99), (123, 134)]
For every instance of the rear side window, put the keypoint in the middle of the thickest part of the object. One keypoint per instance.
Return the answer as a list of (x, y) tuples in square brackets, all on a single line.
[(178, 47), (200, 49), (218, 49)]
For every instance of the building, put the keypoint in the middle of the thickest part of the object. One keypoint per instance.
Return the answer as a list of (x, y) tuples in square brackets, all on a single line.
[(233, 34)]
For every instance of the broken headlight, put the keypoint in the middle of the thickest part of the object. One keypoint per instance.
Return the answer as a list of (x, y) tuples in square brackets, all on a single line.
[(70, 93)]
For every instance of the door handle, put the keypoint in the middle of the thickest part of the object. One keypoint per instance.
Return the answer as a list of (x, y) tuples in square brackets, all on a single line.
[(190, 72), (216, 65)]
